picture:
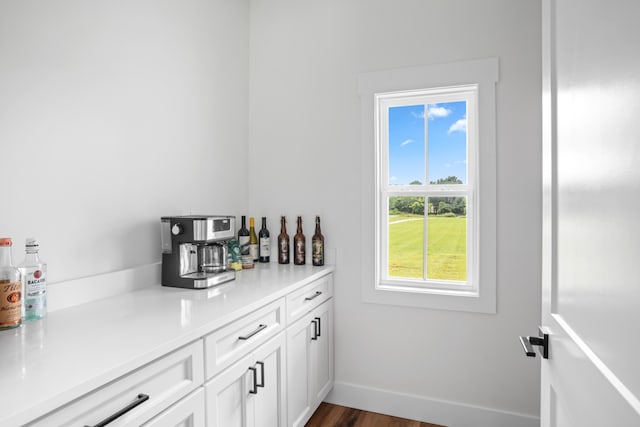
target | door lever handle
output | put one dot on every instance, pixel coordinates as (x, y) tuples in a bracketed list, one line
[(542, 340)]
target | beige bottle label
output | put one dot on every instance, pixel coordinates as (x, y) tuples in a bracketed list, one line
[(10, 302)]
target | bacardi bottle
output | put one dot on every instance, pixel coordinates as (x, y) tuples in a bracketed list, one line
[(34, 280)]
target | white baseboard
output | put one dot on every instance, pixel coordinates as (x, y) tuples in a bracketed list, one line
[(86, 289), (450, 414)]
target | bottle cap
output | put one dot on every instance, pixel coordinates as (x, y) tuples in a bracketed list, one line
[(5, 241), (31, 243)]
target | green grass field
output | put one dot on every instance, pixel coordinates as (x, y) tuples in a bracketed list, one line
[(446, 249)]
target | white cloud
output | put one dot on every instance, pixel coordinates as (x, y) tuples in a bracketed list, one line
[(458, 126), (436, 111), (418, 115), (393, 178), (406, 142)]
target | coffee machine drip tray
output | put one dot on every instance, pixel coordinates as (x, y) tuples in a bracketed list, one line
[(202, 280)]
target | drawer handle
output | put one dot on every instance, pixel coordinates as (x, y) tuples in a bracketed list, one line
[(261, 384), (260, 327), (319, 326), (257, 384), (140, 399), (255, 380), (316, 295)]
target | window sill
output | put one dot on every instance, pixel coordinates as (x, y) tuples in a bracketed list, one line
[(441, 299)]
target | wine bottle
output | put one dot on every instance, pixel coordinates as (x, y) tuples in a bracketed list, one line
[(243, 239), (299, 252), (265, 243), (253, 240), (283, 242), (317, 245)]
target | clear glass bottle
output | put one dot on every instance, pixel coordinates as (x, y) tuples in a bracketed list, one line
[(10, 289), (253, 240), (34, 282)]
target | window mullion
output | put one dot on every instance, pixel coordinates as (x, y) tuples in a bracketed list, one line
[(426, 198)]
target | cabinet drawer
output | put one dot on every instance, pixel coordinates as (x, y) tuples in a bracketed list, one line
[(231, 342), (164, 381), (307, 298)]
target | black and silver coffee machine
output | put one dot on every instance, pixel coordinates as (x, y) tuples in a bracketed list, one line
[(194, 250)]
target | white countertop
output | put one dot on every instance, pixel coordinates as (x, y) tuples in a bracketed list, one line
[(46, 363)]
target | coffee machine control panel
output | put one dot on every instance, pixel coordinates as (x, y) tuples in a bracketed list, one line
[(178, 229)]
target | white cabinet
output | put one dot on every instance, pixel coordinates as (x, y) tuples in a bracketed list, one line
[(268, 362), (251, 392), (138, 396), (189, 412), (310, 371)]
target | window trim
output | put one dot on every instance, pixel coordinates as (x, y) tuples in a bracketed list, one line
[(481, 296)]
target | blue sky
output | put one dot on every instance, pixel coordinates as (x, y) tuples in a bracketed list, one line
[(447, 152)]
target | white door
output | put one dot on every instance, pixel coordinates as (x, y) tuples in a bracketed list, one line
[(321, 353), (226, 396), (270, 399), (591, 221), (298, 371)]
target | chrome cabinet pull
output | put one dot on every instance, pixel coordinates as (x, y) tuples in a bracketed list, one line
[(258, 329), (319, 326), (315, 329), (140, 399), (316, 295)]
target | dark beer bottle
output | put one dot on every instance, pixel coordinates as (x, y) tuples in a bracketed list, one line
[(283, 242), (299, 252), (317, 245)]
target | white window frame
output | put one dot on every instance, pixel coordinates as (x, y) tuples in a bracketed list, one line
[(443, 82), (384, 190)]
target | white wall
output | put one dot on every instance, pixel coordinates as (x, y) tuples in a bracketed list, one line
[(114, 113), (304, 158)]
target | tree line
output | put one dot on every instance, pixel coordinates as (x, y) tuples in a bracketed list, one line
[(437, 205)]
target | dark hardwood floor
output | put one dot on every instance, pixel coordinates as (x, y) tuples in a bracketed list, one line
[(328, 415)]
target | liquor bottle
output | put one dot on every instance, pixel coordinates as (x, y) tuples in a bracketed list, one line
[(10, 289), (299, 252), (253, 241), (317, 245), (265, 242), (34, 282), (243, 239), (283, 242)]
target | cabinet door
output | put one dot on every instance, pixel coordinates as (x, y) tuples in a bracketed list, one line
[(270, 399), (189, 412), (298, 368), (226, 396), (321, 354)]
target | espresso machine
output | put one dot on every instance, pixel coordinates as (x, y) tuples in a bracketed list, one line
[(194, 250)]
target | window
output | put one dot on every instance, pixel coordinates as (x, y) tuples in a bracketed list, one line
[(426, 145), (429, 186)]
